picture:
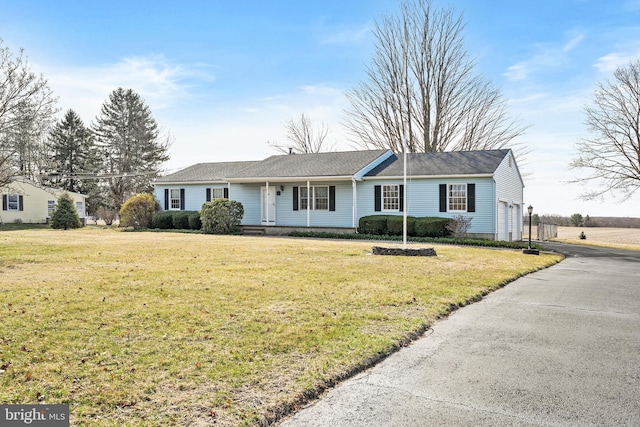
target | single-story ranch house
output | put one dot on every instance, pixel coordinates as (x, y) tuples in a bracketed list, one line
[(334, 190), (31, 203)]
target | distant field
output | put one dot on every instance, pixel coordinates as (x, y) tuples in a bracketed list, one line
[(618, 237)]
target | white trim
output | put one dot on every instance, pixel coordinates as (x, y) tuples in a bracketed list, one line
[(354, 203), (290, 179), (382, 208), (378, 178), (466, 198), (308, 204)]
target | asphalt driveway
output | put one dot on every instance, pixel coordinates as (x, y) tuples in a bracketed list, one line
[(560, 347)]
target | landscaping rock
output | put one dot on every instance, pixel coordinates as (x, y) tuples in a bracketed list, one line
[(380, 250)]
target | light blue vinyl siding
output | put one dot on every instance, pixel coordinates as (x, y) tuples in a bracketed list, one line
[(249, 196), (341, 217), (423, 199), (195, 195)]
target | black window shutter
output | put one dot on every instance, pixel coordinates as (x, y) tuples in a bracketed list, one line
[(332, 197), (166, 199), (443, 197), (377, 198), (225, 192), (471, 197), (295, 198), (208, 195), (182, 199), (401, 197), (20, 203)]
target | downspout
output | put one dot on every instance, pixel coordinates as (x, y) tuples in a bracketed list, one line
[(354, 203)]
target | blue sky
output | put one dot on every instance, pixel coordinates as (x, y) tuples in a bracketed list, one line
[(223, 77)]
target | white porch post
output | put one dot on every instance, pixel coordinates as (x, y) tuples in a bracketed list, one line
[(308, 204), (354, 202), (266, 195)]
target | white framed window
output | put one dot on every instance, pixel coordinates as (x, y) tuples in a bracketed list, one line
[(51, 206), (304, 199), (174, 198), (80, 209), (13, 202), (217, 193), (319, 198), (391, 197), (457, 197)]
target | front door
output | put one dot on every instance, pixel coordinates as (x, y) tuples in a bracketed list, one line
[(268, 205)]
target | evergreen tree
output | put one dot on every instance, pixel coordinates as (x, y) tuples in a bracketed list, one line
[(74, 159), (65, 215), (130, 146)]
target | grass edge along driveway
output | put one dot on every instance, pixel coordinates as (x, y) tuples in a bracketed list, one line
[(155, 329)]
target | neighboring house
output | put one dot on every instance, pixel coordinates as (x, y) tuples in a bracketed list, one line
[(27, 202), (334, 190)]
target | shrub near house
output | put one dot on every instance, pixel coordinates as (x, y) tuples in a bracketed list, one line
[(138, 211), (392, 225), (222, 216)]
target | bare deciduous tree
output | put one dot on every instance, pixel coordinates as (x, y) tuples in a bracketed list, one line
[(27, 106), (422, 79), (612, 153), (303, 137)]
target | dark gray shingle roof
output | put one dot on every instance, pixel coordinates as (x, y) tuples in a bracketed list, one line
[(205, 172), (346, 163), (440, 164)]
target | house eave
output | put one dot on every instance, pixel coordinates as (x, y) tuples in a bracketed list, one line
[(458, 176), (289, 179), (208, 181)]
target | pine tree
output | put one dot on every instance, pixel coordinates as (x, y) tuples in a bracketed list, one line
[(74, 159), (130, 146), (65, 215)]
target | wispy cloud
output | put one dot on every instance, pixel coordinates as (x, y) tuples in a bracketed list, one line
[(345, 36), (610, 62), (546, 56), (159, 81)]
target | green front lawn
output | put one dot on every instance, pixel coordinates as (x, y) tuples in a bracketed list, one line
[(155, 329)]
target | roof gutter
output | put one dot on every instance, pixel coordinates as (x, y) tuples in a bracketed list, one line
[(372, 178), (288, 179)]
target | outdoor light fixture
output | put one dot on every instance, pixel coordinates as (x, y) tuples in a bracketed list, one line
[(282, 188), (530, 251)]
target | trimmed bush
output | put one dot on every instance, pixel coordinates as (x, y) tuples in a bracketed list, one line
[(194, 221), (138, 211), (431, 227), (163, 220), (373, 224), (181, 220), (395, 224), (221, 216)]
